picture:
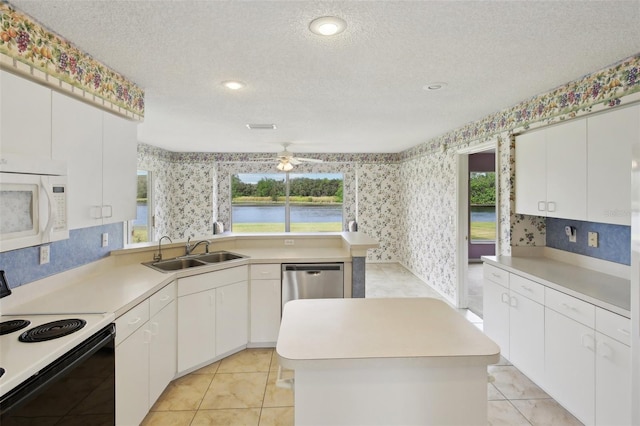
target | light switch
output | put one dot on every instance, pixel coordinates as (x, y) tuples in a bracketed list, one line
[(45, 252), (593, 239), (105, 239)]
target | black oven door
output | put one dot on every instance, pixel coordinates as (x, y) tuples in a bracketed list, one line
[(78, 388)]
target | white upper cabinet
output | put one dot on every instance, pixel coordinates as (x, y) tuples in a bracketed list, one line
[(551, 171), (610, 136), (77, 139), (119, 164), (25, 114), (567, 170), (531, 173), (100, 150)]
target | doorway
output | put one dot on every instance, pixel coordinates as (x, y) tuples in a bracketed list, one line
[(477, 226)]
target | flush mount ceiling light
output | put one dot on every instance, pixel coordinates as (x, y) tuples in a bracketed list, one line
[(327, 25), (251, 126), (233, 84), (438, 85)]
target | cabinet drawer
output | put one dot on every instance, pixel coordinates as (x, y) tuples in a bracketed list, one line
[(571, 307), (162, 298), (265, 272), (613, 325), (527, 288), (131, 321), (496, 275)]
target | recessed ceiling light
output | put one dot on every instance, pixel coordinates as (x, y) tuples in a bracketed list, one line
[(251, 126), (327, 26), (435, 86), (233, 84)]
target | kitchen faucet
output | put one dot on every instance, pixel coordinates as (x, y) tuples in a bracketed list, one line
[(158, 256), (189, 249)]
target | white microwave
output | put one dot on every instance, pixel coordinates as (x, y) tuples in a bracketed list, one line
[(33, 202)]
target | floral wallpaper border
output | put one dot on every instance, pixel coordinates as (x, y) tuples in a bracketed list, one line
[(27, 47)]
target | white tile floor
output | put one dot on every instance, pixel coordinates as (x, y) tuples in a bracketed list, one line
[(240, 389)]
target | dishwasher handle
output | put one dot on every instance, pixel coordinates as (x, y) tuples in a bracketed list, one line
[(313, 268)]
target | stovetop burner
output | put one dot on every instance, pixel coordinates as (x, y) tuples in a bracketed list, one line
[(7, 327), (52, 330)]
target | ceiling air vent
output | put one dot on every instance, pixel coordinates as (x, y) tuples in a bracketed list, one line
[(261, 126)]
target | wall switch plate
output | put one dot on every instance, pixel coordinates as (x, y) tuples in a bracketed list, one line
[(105, 239), (288, 242), (593, 239), (45, 252)]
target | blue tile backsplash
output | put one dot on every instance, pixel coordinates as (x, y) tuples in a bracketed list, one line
[(614, 241), (83, 246)]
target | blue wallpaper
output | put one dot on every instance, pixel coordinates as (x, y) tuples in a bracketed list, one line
[(614, 241), (83, 246)]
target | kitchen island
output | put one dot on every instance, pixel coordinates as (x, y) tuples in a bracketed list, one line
[(411, 361)]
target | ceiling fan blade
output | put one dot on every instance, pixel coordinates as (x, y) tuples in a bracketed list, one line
[(309, 160), (295, 161)]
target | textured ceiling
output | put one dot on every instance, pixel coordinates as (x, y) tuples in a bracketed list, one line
[(359, 91)]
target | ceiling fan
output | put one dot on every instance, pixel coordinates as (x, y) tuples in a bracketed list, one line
[(286, 159)]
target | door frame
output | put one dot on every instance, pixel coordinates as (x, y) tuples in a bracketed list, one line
[(462, 209)]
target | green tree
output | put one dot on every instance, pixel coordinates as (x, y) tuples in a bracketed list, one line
[(482, 188)]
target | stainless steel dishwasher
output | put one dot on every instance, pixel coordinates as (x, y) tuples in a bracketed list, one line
[(312, 281)]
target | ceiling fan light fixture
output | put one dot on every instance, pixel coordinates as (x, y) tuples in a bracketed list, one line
[(327, 25), (284, 166)]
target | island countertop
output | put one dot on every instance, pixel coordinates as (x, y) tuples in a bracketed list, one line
[(319, 333)]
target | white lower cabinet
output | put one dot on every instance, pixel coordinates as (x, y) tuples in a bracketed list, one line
[(232, 317), (132, 365), (526, 335), (495, 312), (577, 352), (163, 345), (570, 364), (145, 355), (204, 301), (265, 304)]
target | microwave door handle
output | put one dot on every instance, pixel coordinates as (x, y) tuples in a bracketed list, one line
[(46, 187)]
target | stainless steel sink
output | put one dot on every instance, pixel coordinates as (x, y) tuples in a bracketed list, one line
[(192, 261), (217, 256), (175, 264)]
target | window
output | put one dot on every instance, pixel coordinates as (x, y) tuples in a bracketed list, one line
[(482, 191), (140, 229), (297, 202)]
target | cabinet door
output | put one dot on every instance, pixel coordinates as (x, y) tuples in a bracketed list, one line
[(132, 378), (162, 351), (526, 336), (25, 114), (495, 310), (570, 364), (531, 173), (613, 379), (265, 311), (610, 136), (196, 329), (119, 160), (77, 139), (232, 317), (567, 170)]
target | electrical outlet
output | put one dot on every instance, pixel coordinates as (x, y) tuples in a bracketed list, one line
[(45, 252), (288, 242), (105, 239), (593, 239)]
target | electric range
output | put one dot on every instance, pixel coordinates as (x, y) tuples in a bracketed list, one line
[(23, 359)]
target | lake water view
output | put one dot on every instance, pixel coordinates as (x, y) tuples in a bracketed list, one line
[(275, 213), (305, 213)]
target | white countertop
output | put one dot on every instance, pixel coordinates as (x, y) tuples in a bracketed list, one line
[(606, 291), (328, 333)]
